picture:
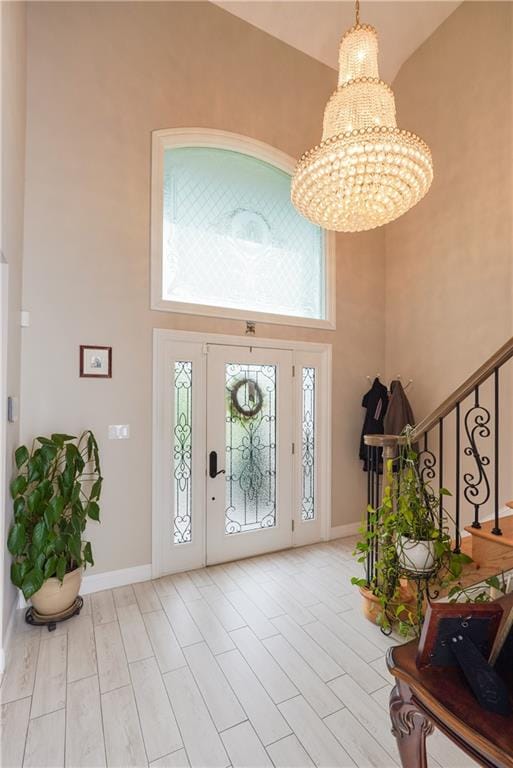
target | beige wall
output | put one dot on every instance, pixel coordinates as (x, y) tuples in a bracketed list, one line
[(101, 77), (11, 245), (449, 262)]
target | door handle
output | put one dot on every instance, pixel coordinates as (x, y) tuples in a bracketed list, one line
[(212, 465)]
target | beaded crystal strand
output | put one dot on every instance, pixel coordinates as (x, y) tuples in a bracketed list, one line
[(366, 171)]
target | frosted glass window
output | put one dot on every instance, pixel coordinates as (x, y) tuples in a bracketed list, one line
[(232, 239)]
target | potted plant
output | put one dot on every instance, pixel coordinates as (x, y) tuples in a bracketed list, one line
[(420, 537), (55, 491), (409, 537)]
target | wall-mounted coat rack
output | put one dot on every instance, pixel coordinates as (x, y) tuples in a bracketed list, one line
[(405, 386), (398, 378)]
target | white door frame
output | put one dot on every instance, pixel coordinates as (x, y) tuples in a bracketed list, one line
[(4, 322), (162, 339)]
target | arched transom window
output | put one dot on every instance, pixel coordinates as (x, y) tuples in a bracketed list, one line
[(226, 240)]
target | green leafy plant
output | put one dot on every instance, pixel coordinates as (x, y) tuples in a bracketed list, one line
[(56, 490), (410, 511), (479, 593)]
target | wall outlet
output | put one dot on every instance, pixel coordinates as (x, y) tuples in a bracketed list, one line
[(119, 431)]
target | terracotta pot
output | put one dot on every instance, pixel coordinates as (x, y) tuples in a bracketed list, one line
[(372, 607), (54, 597)]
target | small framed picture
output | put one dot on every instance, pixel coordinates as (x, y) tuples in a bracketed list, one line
[(95, 362)]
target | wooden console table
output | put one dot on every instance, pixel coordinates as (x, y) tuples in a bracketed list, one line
[(423, 699)]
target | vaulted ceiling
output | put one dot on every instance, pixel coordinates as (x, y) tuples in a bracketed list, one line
[(315, 27)]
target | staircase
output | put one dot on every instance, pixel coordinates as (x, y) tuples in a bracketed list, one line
[(490, 549), (465, 446)]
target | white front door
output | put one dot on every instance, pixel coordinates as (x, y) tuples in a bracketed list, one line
[(249, 447), (240, 449)]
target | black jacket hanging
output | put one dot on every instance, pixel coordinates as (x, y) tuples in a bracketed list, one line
[(376, 402)]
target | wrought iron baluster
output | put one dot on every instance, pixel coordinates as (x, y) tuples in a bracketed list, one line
[(427, 462), (477, 487), (369, 564), (475, 522), (373, 451), (426, 466), (496, 529), (458, 471), (441, 470), (378, 500)]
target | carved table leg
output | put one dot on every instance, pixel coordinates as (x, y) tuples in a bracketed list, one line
[(410, 727)]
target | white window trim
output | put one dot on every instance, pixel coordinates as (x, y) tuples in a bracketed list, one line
[(201, 137)]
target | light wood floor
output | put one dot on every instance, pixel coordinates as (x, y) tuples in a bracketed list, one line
[(264, 662)]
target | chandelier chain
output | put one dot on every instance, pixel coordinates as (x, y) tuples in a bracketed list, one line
[(357, 11)]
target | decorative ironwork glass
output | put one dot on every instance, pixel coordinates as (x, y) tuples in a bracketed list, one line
[(308, 445), (232, 238), (250, 447), (182, 453)]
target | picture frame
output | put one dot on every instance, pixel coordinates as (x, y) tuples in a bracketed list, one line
[(95, 361), (477, 621)]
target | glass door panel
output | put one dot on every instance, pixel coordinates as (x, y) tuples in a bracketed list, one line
[(249, 427), (182, 452), (250, 447)]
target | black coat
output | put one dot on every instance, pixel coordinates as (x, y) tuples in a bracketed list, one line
[(376, 403)]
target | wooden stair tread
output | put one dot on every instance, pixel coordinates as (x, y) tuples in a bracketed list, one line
[(485, 532), (472, 573)]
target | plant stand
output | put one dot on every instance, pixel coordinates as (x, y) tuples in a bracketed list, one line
[(420, 585), (36, 619)]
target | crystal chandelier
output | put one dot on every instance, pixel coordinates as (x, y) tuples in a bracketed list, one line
[(366, 171)]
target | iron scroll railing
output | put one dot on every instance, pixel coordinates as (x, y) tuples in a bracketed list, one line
[(464, 445)]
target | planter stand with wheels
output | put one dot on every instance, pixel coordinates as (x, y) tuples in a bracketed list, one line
[(51, 620)]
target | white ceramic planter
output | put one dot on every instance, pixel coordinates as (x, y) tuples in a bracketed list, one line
[(54, 597), (416, 556)]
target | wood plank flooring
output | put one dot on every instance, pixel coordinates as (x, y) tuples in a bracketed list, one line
[(263, 662)]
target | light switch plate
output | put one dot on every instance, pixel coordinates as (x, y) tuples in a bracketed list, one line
[(12, 409), (119, 431)]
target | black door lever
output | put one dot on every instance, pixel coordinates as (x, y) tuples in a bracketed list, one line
[(212, 465)]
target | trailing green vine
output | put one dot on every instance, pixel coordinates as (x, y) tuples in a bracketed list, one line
[(410, 512)]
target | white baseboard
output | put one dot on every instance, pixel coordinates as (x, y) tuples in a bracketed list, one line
[(348, 529), (96, 582)]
